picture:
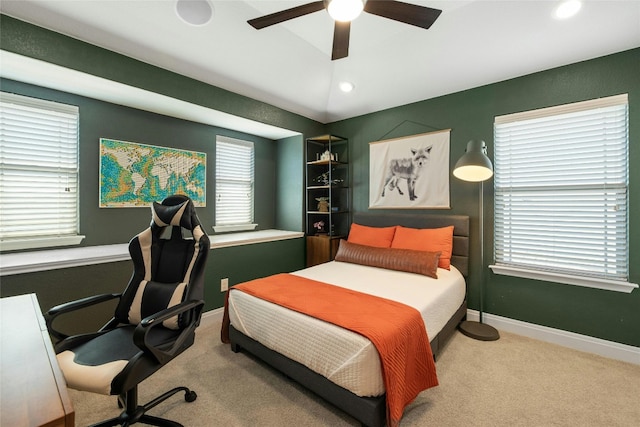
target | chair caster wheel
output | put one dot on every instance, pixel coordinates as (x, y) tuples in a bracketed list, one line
[(190, 396)]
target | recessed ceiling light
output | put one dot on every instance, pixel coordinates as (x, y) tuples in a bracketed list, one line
[(567, 9), (194, 12), (346, 86)]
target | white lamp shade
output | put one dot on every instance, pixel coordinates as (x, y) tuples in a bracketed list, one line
[(474, 165), (345, 10)]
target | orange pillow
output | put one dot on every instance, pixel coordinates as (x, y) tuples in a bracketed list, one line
[(426, 239), (379, 237)]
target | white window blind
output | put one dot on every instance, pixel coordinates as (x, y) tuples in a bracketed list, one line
[(38, 172), (234, 184), (561, 189)]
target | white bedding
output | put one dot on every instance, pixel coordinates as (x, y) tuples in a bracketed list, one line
[(344, 357)]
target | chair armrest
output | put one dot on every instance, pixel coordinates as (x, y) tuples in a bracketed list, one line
[(71, 306), (161, 353)]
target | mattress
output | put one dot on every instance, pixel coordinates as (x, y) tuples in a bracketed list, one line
[(344, 357)]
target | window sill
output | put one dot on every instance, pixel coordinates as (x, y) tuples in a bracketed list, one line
[(609, 285), (252, 237), (16, 245), (234, 228), (30, 262)]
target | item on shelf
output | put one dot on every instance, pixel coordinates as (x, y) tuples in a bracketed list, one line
[(319, 226), (324, 179), (323, 204), (326, 156)]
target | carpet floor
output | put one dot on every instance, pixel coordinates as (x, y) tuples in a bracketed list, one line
[(515, 381)]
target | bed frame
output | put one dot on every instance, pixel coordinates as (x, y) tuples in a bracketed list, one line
[(370, 411)]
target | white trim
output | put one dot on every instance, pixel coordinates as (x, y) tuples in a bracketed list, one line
[(41, 242), (548, 276), (29, 262), (239, 227), (610, 349), (212, 316), (563, 109), (252, 237)]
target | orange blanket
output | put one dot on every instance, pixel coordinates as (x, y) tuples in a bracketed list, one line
[(397, 330)]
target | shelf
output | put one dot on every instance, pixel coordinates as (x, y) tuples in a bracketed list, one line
[(325, 163), (327, 187), (326, 138), (326, 213)]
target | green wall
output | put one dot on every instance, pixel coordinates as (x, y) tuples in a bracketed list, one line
[(237, 263), (35, 42), (290, 170), (55, 287), (105, 120), (604, 314), (108, 226), (242, 263)]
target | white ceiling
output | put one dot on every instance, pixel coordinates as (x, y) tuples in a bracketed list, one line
[(289, 65)]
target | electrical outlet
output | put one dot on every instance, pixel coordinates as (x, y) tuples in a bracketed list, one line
[(224, 284)]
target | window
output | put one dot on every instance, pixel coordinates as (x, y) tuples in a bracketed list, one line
[(38, 173), (561, 190), (234, 184)]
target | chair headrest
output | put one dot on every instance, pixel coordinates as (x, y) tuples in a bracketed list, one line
[(175, 210)]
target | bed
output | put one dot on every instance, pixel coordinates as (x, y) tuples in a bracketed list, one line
[(341, 366)]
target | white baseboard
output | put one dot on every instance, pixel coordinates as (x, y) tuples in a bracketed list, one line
[(610, 349), (212, 316)]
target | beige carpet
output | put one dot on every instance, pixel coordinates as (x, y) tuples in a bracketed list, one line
[(515, 381)]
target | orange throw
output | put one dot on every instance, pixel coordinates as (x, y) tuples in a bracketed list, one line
[(397, 330)]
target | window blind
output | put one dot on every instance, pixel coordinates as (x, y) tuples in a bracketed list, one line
[(234, 181), (561, 189), (38, 168)]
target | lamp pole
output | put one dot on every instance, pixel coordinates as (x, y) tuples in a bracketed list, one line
[(475, 166), (481, 220)]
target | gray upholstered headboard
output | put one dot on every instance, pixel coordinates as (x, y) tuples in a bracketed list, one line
[(460, 256)]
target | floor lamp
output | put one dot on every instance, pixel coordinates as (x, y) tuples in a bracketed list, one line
[(475, 166)]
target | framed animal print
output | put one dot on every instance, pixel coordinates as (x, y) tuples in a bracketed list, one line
[(410, 172)]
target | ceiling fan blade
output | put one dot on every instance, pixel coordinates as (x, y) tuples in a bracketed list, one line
[(411, 14), (285, 15), (341, 40)]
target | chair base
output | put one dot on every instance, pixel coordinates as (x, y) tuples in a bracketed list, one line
[(135, 413)]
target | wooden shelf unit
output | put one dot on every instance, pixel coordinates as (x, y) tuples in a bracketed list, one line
[(327, 179)]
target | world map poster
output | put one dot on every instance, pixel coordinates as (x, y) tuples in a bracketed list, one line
[(135, 175)]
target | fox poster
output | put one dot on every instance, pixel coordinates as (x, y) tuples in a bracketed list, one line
[(410, 172)]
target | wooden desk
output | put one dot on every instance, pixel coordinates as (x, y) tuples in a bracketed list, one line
[(33, 389)]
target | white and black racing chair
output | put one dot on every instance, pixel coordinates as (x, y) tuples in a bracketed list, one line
[(155, 318)]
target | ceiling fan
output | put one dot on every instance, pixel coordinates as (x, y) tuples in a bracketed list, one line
[(411, 14)]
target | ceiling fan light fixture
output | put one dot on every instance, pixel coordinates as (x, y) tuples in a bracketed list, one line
[(344, 10)]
